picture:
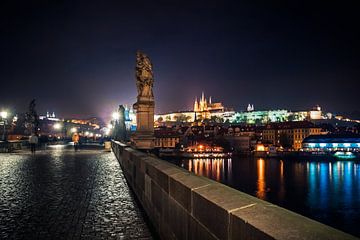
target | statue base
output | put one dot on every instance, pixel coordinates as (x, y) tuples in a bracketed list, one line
[(144, 138), (143, 141)]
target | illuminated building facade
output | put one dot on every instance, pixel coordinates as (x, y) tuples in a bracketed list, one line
[(332, 142), (289, 134), (261, 117), (271, 116), (130, 119), (205, 109), (182, 116), (207, 105), (166, 138)]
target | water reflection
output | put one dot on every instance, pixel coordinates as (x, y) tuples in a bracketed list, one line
[(326, 191), (261, 182), (211, 168)]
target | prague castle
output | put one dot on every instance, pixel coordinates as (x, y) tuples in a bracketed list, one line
[(204, 105), (203, 109), (206, 109)]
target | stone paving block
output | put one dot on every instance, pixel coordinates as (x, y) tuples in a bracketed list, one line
[(67, 195)]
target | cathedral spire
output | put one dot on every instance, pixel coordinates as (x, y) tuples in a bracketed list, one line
[(196, 105)]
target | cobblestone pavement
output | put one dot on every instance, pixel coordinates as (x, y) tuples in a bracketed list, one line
[(66, 195)]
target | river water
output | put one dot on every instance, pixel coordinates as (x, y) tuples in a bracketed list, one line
[(327, 191)]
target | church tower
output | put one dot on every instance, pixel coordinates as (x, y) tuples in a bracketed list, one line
[(196, 105)]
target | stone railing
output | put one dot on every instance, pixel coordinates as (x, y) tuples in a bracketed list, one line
[(182, 205)]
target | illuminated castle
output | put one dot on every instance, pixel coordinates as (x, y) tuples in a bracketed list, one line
[(207, 106)]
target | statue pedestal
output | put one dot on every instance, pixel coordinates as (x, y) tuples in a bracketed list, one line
[(144, 138)]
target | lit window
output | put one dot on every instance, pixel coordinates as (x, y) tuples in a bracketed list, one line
[(335, 145), (312, 145), (322, 144), (347, 144)]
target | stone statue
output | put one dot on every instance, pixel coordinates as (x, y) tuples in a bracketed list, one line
[(144, 76), (122, 128), (143, 138)]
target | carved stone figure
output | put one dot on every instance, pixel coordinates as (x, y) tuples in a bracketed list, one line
[(144, 138), (144, 76), (121, 123)]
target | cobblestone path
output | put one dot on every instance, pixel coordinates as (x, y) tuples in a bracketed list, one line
[(66, 195)]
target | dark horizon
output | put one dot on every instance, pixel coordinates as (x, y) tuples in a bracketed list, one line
[(78, 59)]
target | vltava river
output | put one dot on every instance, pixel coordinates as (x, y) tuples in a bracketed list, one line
[(325, 191)]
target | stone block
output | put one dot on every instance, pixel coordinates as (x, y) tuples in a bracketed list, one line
[(268, 221), (157, 198), (197, 231), (147, 187), (177, 218), (140, 180), (159, 171), (182, 184), (212, 205)]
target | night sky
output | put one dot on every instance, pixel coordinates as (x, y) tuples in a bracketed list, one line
[(77, 58)]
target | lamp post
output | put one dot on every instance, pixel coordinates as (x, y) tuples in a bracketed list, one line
[(4, 116)]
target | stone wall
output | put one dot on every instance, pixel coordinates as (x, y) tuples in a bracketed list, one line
[(182, 205)]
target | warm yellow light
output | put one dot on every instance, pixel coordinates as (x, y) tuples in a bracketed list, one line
[(260, 148), (73, 130), (3, 114), (57, 126)]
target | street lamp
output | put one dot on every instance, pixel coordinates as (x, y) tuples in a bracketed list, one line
[(4, 115)]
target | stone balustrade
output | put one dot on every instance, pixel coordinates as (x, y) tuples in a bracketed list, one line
[(182, 205)]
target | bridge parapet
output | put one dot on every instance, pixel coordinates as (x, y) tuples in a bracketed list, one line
[(182, 205)]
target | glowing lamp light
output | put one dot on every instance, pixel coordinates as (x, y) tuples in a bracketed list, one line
[(347, 144), (115, 116), (73, 130), (3, 114), (322, 145), (201, 147), (57, 126), (260, 148), (87, 133)]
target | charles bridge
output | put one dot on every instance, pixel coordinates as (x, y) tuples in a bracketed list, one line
[(131, 194), (60, 194)]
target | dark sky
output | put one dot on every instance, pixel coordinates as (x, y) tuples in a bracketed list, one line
[(77, 58)]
